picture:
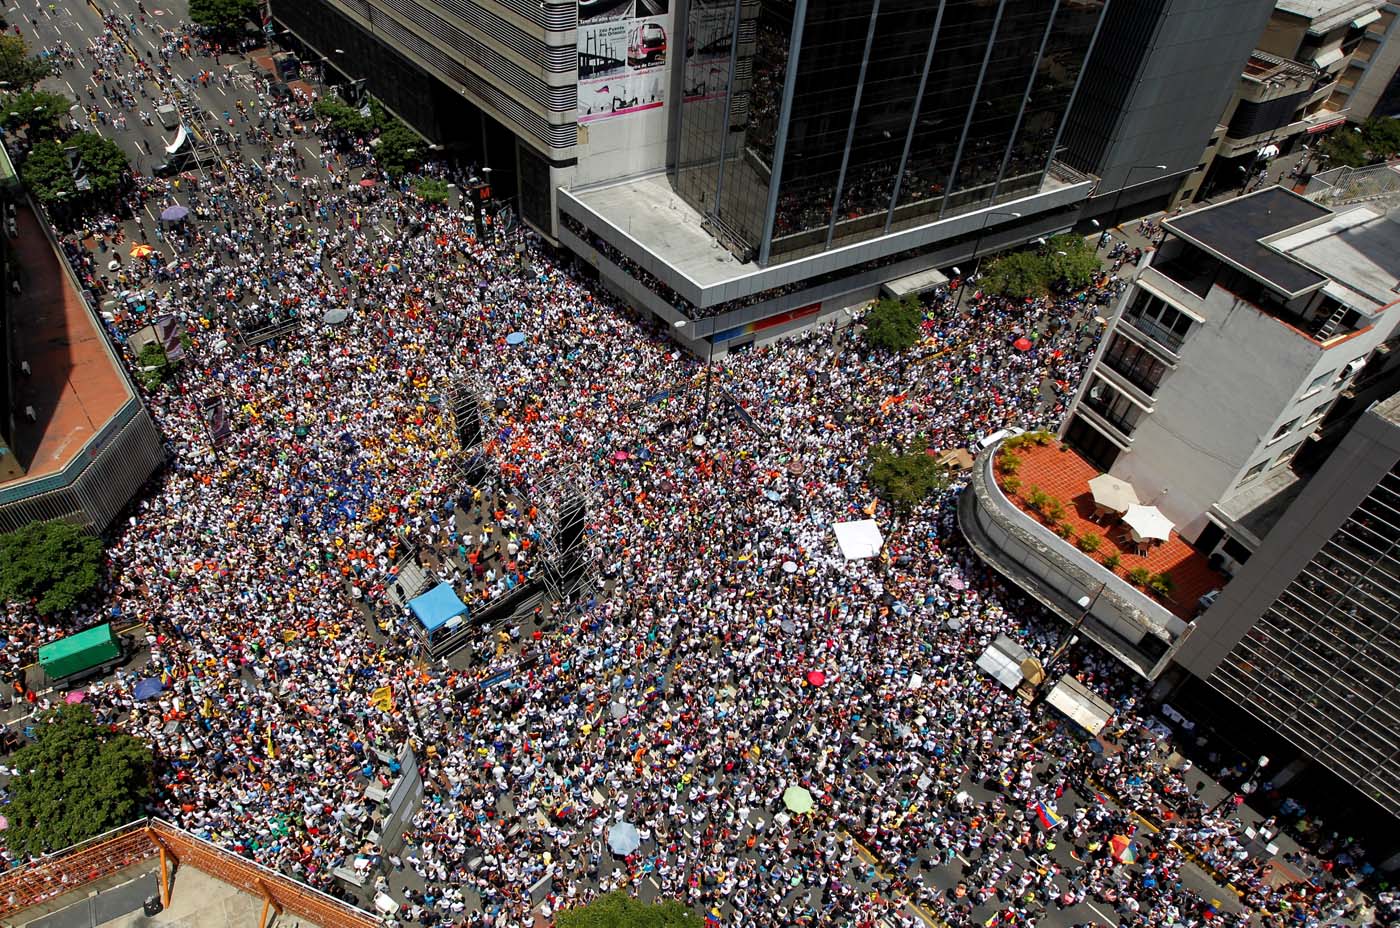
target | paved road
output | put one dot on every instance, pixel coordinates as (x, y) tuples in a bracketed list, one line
[(77, 23)]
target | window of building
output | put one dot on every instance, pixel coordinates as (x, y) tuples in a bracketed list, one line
[(1113, 407), (1134, 363), (1154, 317), (1317, 413), (1320, 381), (1284, 429), (1254, 471)]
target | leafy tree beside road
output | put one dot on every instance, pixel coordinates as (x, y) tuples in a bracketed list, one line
[(43, 113), (619, 910), (894, 324), (48, 175), (1065, 262), (19, 70), (55, 563), (78, 779), (906, 479), (1375, 140), (222, 15)]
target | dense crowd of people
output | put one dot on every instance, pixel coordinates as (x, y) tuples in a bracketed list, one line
[(724, 653)]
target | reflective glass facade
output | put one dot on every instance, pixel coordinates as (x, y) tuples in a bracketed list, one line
[(902, 111)]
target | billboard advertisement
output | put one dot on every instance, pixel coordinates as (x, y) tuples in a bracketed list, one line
[(622, 50)]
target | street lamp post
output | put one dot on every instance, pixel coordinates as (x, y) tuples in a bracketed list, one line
[(680, 324), (976, 256)]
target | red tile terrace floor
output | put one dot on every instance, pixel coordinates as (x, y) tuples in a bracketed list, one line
[(1064, 475)]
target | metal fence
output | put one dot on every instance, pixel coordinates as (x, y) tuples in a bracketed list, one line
[(1345, 185)]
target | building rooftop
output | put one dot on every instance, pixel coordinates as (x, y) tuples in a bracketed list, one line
[(76, 386), (1062, 473), (1324, 15), (1359, 252), (1234, 231), (1388, 409)]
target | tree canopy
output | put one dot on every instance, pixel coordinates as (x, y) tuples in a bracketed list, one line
[(906, 479), (43, 112), (345, 117), (77, 779), (47, 174), (18, 68), (431, 190), (54, 563), (222, 15), (894, 324), (398, 148), (1375, 140), (1065, 261), (619, 910)]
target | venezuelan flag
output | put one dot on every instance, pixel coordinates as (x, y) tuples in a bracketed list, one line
[(1047, 817)]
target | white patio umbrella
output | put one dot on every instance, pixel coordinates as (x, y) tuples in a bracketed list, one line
[(1112, 493), (1147, 522)]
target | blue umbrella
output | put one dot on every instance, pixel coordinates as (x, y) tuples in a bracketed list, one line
[(623, 838), (515, 338), (174, 213), (147, 688)]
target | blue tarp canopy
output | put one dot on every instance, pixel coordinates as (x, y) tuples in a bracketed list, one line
[(437, 607)]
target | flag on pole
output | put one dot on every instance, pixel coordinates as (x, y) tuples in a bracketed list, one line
[(382, 699)]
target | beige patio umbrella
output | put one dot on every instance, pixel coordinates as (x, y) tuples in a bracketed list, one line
[(1112, 493), (1147, 522)]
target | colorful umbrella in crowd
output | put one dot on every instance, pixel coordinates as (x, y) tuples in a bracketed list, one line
[(797, 800), (1023, 344), (367, 182), (147, 688), (76, 696), (1049, 819), (816, 678), (623, 838), (515, 338), (141, 250), (174, 213), (1123, 849)]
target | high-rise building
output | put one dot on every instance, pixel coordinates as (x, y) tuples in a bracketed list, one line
[(1306, 637), (1162, 72), (1294, 87)]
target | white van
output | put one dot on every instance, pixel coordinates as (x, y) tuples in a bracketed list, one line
[(987, 441)]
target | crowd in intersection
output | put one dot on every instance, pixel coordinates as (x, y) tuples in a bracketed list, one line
[(250, 564)]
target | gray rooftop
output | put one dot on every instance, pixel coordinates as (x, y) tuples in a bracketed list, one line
[(1235, 231), (1358, 250), (1327, 14), (1261, 503), (1389, 409)]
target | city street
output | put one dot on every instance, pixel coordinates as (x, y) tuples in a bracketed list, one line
[(726, 656)]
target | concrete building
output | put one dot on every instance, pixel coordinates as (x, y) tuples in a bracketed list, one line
[(1286, 94), (1369, 86), (83, 442), (1305, 638), (1227, 352), (1162, 72), (753, 168), (1222, 359)]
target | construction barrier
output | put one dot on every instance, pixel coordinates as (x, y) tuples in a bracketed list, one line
[(68, 870)]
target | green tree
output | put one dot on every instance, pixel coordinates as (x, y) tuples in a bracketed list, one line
[(1345, 148), (1018, 274), (398, 148), (55, 563), (343, 116), (44, 113), (619, 910), (431, 190), (1068, 259), (894, 324), (152, 365), (906, 479), (19, 69), (222, 15), (1382, 136), (47, 174), (78, 779)]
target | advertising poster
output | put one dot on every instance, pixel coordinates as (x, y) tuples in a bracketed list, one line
[(622, 49), (707, 52)]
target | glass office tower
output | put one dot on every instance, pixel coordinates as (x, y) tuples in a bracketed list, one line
[(807, 124)]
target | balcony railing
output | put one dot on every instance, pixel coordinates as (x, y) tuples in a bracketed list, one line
[(1156, 331)]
